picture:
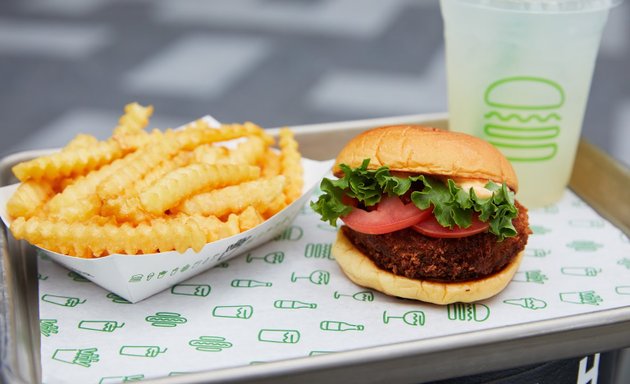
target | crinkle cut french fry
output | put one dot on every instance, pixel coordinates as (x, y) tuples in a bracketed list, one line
[(234, 198), (250, 151), (29, 197), (290, 160), (80, 141), (82, 188), (271, 163), (94, 240), (192, 137), (275, 206), (215, 229), (249, 219), (135, 167), (210, 154), (134, 120), (71, 162), (184, 182)]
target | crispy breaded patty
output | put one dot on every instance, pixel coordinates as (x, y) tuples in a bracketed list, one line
[(416, 256)]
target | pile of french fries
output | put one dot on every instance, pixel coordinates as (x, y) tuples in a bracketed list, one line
[(142, 192)]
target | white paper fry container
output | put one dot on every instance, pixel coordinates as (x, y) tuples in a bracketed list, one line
[(136, 277)]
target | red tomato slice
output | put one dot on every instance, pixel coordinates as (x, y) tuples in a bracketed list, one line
[(431, 227), (390, 215)]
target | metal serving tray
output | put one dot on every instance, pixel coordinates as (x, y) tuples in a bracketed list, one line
[(598, 179)]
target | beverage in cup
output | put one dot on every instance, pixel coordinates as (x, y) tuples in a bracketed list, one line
[(519, 74)]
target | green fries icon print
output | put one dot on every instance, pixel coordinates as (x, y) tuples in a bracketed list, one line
[(48, 326), (83, 357), (210, 343), (318, 277)]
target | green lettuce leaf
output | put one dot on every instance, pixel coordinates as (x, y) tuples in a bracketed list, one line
[(452, 205)]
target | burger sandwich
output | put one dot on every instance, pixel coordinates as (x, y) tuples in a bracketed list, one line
[(427, 214)]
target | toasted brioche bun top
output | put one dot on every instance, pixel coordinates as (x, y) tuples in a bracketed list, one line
[(430, 151)]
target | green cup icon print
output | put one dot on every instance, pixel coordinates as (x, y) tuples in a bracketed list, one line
[(100, 325), (281, 336), (625, 262), (534, 276), (581, 271), (141, 350), (358, 296), (201, 290), (581, 297), (48, 326), (166, 319), (121, 379), (42, 277), (527, 303), (413, 318), (340, 326), (84, 357), (468, 312), (523, 117), (318, 277), (210, 344), (270, 258), (622, 290), (233, 311), (537, 252), (63, 301), (293, 304)]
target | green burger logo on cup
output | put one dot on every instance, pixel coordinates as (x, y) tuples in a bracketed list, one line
[(524, 117)]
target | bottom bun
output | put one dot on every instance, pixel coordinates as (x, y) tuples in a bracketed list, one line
[(362, 271)]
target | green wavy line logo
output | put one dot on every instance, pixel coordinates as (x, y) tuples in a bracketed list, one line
[(514, 116)]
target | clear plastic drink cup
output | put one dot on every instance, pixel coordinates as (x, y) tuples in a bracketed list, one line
[(519, 74)]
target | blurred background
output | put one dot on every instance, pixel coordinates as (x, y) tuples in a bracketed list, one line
[(69, 66)]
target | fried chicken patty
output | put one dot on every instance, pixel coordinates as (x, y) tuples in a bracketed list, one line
[(416, 256)]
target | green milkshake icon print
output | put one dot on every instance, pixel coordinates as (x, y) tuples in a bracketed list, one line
[(523, 120)]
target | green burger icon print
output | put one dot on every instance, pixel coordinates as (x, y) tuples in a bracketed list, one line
[(524, 117)]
